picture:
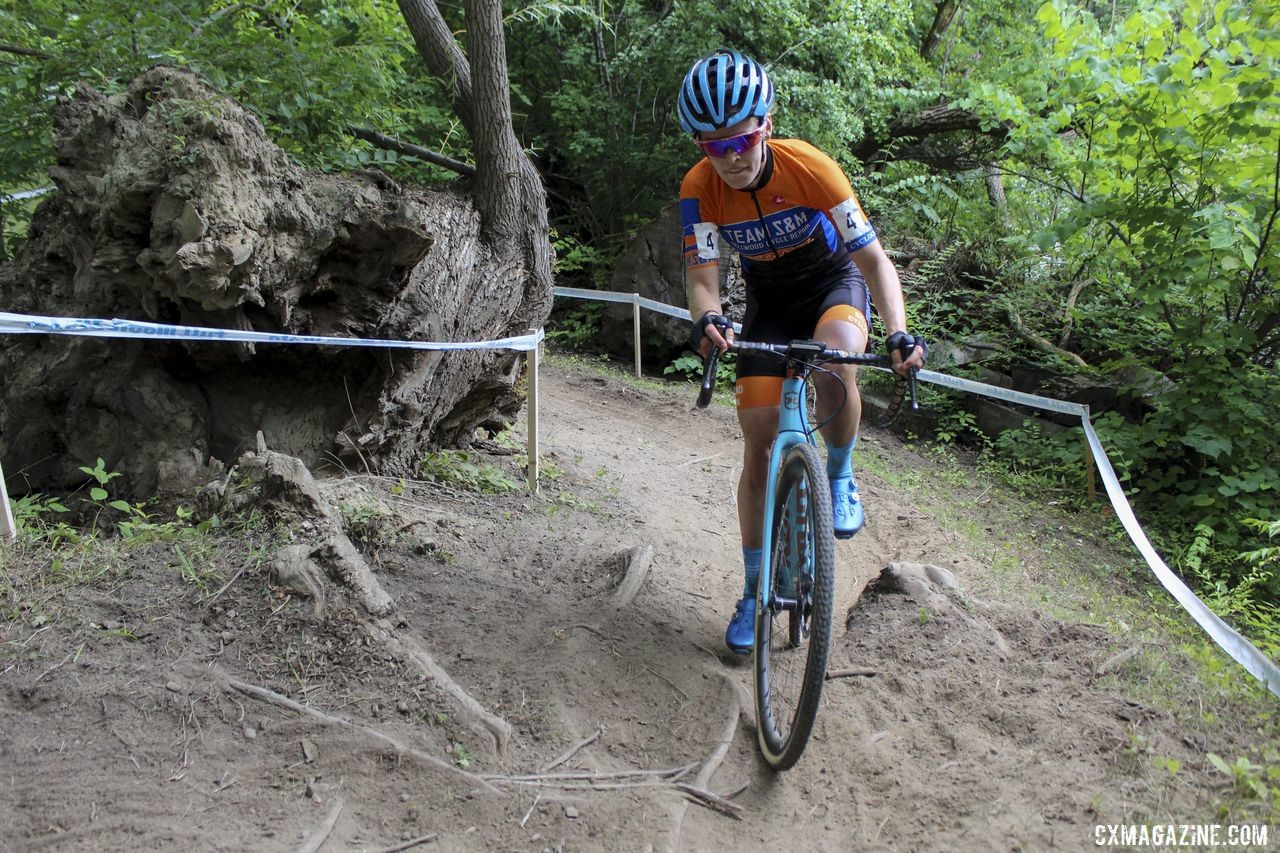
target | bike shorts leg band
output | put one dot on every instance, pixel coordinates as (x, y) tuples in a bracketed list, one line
[(847, 314), (755, 392)]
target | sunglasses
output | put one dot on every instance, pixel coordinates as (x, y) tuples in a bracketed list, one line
[(736, 144)]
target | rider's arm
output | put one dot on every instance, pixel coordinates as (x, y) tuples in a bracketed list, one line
[(701, 238), (886, 290), (702, 289)]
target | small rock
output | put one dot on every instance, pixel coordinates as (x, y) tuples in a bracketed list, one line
[(173, 687), (404, 796), (571, 812), (309, 751), (227, 637), (402, 706), (111, 625), (231, 614), (250, 732)]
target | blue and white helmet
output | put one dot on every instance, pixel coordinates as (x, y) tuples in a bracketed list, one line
[(721, 89)]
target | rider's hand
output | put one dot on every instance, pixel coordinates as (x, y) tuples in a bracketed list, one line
[(710, 330), (907, 351)]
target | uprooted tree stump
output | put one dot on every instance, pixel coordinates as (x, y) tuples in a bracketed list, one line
[(173, 206)]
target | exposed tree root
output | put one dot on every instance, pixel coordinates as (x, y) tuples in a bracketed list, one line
[(638, 561), (411, 652), (700, 788), (271, 697)]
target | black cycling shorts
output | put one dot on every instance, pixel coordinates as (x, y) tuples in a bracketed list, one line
[(781, 314)]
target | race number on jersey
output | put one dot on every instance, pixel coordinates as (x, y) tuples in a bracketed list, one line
[(706, 233), (855, 229)]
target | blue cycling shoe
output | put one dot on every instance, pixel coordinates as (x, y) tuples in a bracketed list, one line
[(846, 507), (741, 635)]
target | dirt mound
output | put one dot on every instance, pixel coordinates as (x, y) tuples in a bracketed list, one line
[(532, 690)]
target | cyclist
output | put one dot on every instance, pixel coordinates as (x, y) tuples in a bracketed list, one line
[(811, 262)]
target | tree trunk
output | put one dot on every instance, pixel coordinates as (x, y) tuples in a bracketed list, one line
[(995, 192), (509, 191), (942, 18)]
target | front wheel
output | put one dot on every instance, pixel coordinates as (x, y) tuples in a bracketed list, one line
[(793, 616)]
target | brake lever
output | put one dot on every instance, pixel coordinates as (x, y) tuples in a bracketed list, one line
[(709, 368)]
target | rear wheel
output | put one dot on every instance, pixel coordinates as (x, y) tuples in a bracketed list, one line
[(793, 616)]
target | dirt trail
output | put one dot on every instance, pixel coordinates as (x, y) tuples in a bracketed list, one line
[(986, 724)]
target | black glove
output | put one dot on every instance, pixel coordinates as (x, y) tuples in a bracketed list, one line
[(905, 344), (699, 329)]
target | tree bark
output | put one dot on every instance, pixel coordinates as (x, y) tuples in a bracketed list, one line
[(443, 56), (995, 192), (942, 18), (929, 122)]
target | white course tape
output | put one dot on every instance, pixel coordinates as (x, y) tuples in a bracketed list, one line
[(27, 194), (1231, 642), (31, 324), (1244, 652), (630, 299), (1008, 395)]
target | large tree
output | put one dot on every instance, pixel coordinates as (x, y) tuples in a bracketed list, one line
[(509, 191)]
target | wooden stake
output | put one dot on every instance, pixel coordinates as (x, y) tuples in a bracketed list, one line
[(7, 527), (532, 358), (1090, 465), (635, 328)]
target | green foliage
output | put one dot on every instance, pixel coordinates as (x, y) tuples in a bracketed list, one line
[(689, 366), (1255, 788), (1268, 555), (578, 328), (308, 70), (596, 93), (462, 469), (462, 757), (577, 260)]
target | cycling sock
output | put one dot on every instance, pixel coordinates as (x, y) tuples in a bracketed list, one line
[(751, 559), (840, 459)]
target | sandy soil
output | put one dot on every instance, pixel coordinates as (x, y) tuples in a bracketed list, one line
[(521, 697)]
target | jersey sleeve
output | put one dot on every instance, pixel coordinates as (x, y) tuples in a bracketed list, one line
[(834, 195), (701, 234)]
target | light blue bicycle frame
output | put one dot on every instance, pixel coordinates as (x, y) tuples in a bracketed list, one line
[(793, 429)]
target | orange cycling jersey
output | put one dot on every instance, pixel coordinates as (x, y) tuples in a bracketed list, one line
[(803, 201)]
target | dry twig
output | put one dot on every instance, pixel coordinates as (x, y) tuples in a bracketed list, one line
[(573, 750), (712, 800), (320, 835), (422, 839)]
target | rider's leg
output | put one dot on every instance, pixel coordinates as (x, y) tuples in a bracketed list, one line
[(841, 327), (758, 417), (838, 331), (759, 426)]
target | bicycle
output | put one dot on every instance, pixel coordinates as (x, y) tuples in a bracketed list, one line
[(797, 570)]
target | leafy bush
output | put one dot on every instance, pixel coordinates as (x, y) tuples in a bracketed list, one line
[(462, 469), (578, 328), (689, 366)]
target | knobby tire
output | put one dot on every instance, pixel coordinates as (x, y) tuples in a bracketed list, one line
[(803, 547)]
